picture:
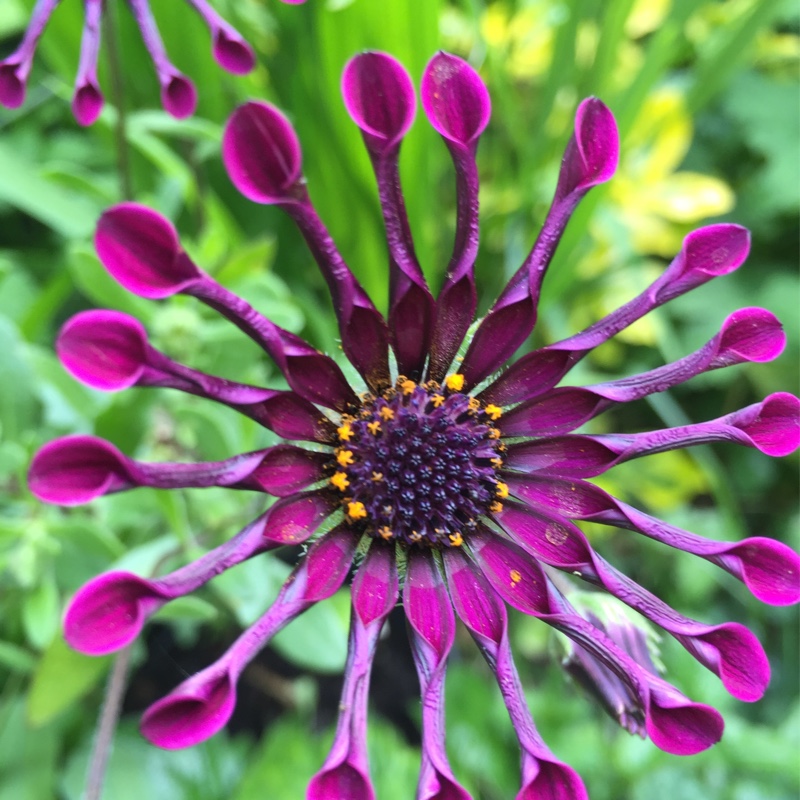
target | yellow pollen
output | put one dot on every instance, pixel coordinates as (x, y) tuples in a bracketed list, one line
[(377, 476), (501, 490), (493, 411), (356, 510), (345, 432), (385, 532), (494, 433), (474, 404), (374, 427), (515, 577), (344, 458), (437, 400), (415, 536), (387, 413), (407, 386), (497, 462), (456, 539), (496, 507), (454, 382), (339, 480)]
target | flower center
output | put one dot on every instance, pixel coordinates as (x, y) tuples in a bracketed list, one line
[(418, 464)]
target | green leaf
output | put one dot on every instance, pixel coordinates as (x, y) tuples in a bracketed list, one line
[(40, 613), (61, 679)]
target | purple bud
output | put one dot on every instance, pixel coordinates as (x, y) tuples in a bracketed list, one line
[(75, 470), (455, 100), (379, 97), (106, 350), (141, 250), (592, 154), (261, 153), (108, 613)]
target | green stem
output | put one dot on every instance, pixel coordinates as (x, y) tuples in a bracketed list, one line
[(118, 95)]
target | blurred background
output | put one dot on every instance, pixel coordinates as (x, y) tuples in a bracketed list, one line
[(706, 95)]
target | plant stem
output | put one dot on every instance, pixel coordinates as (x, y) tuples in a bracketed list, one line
[(118, 95)]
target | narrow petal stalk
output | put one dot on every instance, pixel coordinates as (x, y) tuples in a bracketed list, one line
[(706, 253), (87, 100), (432, 629), (202, 705), (14, 69), (458, 106), (178, 95), (263, 158), (379, 97), (345, 772), (482, 611), (590, 159)]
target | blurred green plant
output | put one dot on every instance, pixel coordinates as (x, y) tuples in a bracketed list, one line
[(705, 93)]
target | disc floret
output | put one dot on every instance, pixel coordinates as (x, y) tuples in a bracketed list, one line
[(418, 463)]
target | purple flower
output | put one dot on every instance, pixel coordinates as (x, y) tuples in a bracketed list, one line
[(450, 484), (178, 94)]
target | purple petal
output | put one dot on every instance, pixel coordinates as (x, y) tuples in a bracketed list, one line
[(374, 592), (591, 158), (292, 520), (76, 469), (376, 585), (141, 250), (87, 101), (592, 154), (706, 253), (379, 97), (261, 153), (15, 68), (769, 569), (108, 613), (674, 723), (231, 51), (455, 99), (178, 93), (749, 334), (427, 606), (483, 612), (201, 705), (106, 350)]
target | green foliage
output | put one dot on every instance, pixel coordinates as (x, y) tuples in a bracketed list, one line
[(731, 70)]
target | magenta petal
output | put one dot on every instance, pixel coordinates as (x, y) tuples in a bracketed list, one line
[(108, 613), (106, 350), (750, 334), (87, 103), (293, 519), (775, 427), (376, 584), (141, 250), (196, 711), (76, 469), (770, 569), (593, 152), (455, 99), (679, 726), (340, 781), (178, 95), (379, 97), (261, 153), (233, 53), (12, 84)]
